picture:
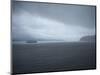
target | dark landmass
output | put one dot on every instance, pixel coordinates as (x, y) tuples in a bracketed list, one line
[(24, 41), (31, 41), (88, 38)]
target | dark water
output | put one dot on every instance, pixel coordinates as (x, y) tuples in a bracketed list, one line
[(49, 57)]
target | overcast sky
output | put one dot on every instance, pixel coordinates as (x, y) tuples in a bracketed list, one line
[(42, 21)]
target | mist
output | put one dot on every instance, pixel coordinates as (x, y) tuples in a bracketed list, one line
[(28, 22)]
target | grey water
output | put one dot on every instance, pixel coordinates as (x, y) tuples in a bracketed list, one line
[(51, 57)]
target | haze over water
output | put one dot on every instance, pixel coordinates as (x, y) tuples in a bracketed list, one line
[(44, 22)]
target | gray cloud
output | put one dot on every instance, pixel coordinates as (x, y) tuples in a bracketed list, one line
[(40, 21)]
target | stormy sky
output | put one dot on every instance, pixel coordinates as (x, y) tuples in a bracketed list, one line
[(51, 22)]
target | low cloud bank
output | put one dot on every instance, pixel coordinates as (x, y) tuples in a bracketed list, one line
[(27, 26)]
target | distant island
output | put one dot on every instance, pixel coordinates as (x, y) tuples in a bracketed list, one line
[(24, 41), (90, 38), (31, 41)]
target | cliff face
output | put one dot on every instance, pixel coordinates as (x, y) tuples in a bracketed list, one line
[(88, 38)]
